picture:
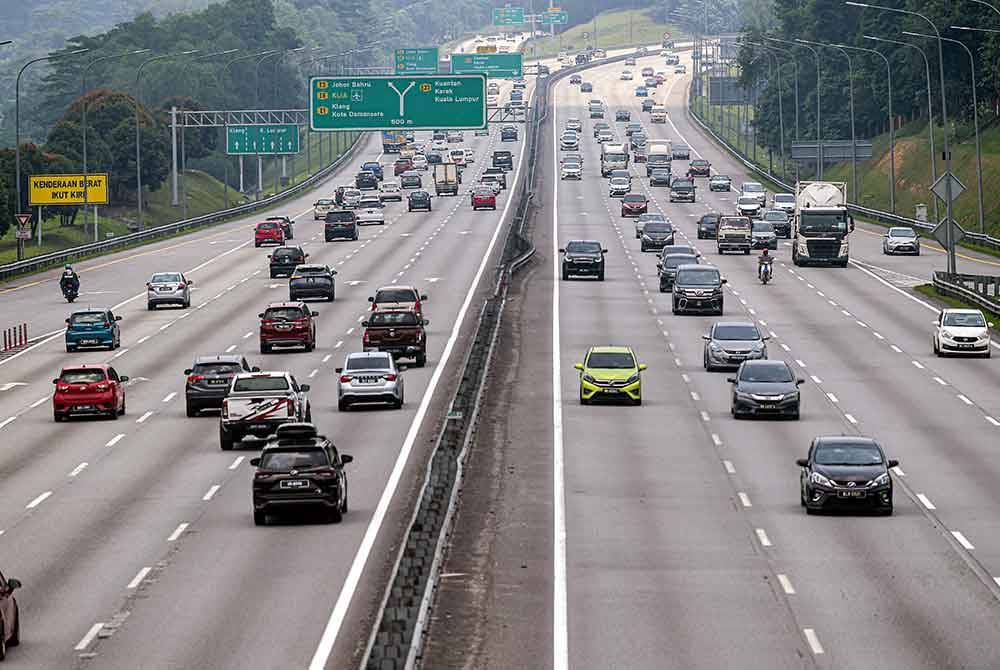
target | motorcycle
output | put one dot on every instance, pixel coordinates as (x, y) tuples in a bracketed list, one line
[(70, 290), (764, 273)]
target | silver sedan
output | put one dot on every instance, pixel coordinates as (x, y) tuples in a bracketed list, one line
[(729, 343), (168, 288), (370, 377)]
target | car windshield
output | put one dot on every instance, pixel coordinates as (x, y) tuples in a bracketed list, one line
[(661, 174), (571, 165), (339, 217), (748, 201), (369, 363), (734, 224), (736, 331), (766, 373), (672, 249), (619, 181), (166, 278), (283, 314), (710, 219), (718, 178), (313, 281), (87, 318), (351, 193), (581, 247), (775, 216), (607, 360), (81, 376), (634, 197), (964, 319), (901, 232), (682, 183), (396, 295), (484, 192), (260, 384), (762, 227), (784, 198), (699, 277), (699, 163), (847, 454), (393, 319), (752, 187), (300, 459), (286, 253), (658, 227), (676, 260), (646, 218), (216, 368), (419, 195), (324, 202)]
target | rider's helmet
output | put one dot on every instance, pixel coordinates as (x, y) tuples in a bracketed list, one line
[(765, 252), (68, 267)]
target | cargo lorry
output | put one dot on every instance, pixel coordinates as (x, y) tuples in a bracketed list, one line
[(393, 141), (821, 224), (659, 154), (446, 179)]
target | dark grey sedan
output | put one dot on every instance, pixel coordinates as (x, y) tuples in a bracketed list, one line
[(846, 471), (729, 343), (208, 380), (765, 388)]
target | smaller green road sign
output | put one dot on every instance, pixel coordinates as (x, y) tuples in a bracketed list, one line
[(553, 17), (277, 139), (492, 65), (417, 61), (411, 102), (508, 16)]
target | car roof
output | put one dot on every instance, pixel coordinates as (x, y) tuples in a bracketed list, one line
[(610, 349), (734, 323), (87, 366), (845, 439), (395, 286), (310, 267), (90, 310), (956, 310), (368, 354), (286, 303)]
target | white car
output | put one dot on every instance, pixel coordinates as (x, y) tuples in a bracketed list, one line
[(419, 162), (470, 156), (626, 75), (962, 332), (630, 61), (605, 135), (618, 187), (370, 211), (754, 189), (369, 377), (574, 124), (351, 198), (491, 181), (455, 136), (168, 288), (785, 202), (571, 171), (747, 205), (321, 207), (439, 145), (390, 190)]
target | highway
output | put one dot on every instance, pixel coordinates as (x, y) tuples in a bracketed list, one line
[(134, 538), (668, 535)]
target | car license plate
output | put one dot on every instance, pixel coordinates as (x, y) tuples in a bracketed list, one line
[(367, 380), (283, 327), (218, 382), (295, 484), (966, 346), (850, 494), (88, 341), (85, 408)]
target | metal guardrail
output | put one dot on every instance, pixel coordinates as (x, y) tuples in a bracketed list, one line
[(981, 290), (43, 261), (878, 215)]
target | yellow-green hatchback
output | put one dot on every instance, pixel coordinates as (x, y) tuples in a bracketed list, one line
[(610, 374)]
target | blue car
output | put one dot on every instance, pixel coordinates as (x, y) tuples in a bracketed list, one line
[(376, 168), (94, 327), (641, 92)]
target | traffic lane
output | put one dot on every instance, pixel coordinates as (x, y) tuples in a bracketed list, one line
[(606, 573)]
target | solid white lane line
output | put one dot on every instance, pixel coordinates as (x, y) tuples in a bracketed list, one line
[(744, 499), (177, 532), (236, 463), (832, 397), (7, 421), (142, 419), (141, 575), (786, 585), (813, 641), (762, 537), (78, 469), (115, 440), (964, 399), (39, 402), (918, 365), (926, 501), (816, 380), (89, 637), (170, 396), (230, 348), (962, 540), (211, 492), (850, 418), (38, 501)]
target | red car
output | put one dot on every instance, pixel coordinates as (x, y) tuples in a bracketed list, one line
[(401, 165), (699, 167), (269, 232), (634, 204), (287, 324), (89, 390), (484, 197)]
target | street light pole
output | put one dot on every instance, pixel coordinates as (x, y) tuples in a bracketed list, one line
[(225, 119), (17, 131), (795, 64), (138, 105), (949, 205), (930, 109), (819, 140), (781, 114)]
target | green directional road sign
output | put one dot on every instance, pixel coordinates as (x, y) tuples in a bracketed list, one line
[(262, 139), (552, 17), (417, 61), (413, 102), (492, 65), (508, 16)]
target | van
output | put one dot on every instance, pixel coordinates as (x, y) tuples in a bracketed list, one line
[(658, 114)]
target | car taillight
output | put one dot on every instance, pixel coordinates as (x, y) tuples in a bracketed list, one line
[(195, 378), (344, 379), (181, 285), (365, 338), (62, 389), (225, 409), (389, 378), (101, 387), (416, 306), (291, 409), (107, 324)]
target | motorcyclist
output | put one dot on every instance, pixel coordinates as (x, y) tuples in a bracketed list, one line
[(69, 281), (763, 260)]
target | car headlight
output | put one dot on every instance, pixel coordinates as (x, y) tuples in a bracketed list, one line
[(715, 348), (633, 379), (947, 335), (881, 480), (647, 237), (588, 378), (817, 478)]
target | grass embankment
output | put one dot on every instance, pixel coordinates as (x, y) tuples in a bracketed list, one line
[(929, 291), (613, 32)]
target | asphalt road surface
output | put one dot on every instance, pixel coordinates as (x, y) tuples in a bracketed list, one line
[(669, 535), (134, 537)]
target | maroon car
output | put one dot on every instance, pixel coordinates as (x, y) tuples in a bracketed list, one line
[(634, 204), (699, 168), (10, 617), (88, 390), (287, 324)]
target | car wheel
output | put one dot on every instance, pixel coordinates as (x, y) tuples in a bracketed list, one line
[(583, 401), (15, 635), (746, 252), (57, 417), (708, 366), (149, 306), (123, 407), (264, 348), (114, 414), (3, 642), (191, 409), (70, 349), (343, 405), (796, 414), (810, 511), (334, 516), (565, 274), (802, 497), (886, 511), (600, 276), (259, 518), (226, 440), (937, 349), (637, 401), (421, 360)]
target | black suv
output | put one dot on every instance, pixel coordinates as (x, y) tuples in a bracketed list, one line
[(208, 380), (583, 257), (656, 235), (299, 468), (682, 189), (418, 200), (698, 288), (508, 134), (284, 261), (503, 160), (708, 226), (366, 180), (312, 281), (340, 224)]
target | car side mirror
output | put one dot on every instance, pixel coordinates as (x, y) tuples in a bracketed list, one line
[(13, 583), (255, 369), (371, 299), (346, 458), (304, 387), (314, 313), (706, 337), (731, 380), (118, 318), (724, 281), (190, 282), (255, 462), (604, 251), (123, 379), (305, 255), (562, 251), (893, 463), (269, 256), (852, 224), (800, 382), (338, 370), (642, 366), (67, 320), (766, 338), (578, 366), (55, 381), (188, 371), (989, 324), (260, 315), (364, 324), (802, 462), (426, 322)]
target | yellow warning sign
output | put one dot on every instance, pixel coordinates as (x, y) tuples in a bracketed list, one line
[(67, 189)]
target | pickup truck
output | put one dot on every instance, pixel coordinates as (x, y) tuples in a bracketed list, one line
[(734, 234), (401, 334), (258, 402)]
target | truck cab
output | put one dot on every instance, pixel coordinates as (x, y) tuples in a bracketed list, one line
[(821, 224), (734, 233)]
